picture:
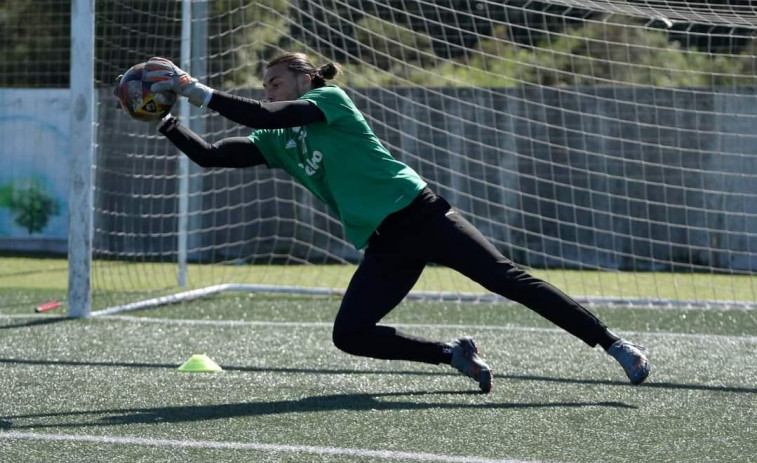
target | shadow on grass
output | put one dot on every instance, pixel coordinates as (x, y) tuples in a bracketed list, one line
[(649, 384), (35, 322), (350, 402), (345, 371)]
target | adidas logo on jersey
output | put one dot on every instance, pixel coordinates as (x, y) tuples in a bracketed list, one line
[(290, 144)]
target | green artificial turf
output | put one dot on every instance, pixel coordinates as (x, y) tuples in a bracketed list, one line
[(108, 388)]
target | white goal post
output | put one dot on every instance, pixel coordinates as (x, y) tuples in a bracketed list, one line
[(608, 146), (82, 126)]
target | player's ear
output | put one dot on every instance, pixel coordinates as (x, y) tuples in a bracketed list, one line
[(307, 79)]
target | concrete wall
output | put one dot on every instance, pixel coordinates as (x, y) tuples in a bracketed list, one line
[(620, 178), (34, 158)]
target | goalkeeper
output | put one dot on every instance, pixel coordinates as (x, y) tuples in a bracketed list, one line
[(316, 134)]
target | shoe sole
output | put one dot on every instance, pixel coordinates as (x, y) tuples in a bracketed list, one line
[(643, 376), (484, 376), (485, 381)]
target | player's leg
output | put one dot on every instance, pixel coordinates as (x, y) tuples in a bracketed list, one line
[(382, 280), (460, 246), (457, 244)]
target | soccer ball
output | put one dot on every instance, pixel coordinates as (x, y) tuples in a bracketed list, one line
[(138, 100)]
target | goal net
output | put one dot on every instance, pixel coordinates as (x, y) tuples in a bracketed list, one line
[(607, 146)]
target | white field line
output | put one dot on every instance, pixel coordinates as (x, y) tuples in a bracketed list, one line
[(243, 323), (527, 329), (275, 448)]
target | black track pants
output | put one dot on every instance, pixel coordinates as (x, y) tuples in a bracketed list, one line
[(430, 231)]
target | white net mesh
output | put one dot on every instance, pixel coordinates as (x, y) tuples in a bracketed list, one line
[(609, 146)]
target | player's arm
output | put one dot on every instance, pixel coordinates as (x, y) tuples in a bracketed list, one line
[(264, 115), (229, 152), (166, 76)]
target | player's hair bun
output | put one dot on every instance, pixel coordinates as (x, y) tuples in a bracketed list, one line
[(329, 71)]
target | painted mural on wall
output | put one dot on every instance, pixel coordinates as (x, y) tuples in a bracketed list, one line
[(34, 163)]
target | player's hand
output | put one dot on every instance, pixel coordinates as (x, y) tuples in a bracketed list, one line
[(166, 76)]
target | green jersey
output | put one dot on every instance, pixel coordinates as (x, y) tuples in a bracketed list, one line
[(342, 162)]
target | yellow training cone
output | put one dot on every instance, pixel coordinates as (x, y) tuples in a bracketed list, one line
[(200, 364)]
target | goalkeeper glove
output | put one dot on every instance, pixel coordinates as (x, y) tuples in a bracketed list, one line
[(168, 77)]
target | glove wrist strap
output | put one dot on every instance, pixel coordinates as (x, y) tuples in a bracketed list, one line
[(208, 96)]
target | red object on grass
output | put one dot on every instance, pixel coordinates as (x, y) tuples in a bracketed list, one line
[(47, 306)]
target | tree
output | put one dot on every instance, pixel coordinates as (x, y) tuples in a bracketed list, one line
[(35, 45), (243, 36), (32, 207)]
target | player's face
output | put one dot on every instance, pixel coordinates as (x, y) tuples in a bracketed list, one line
[(281, 84)]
